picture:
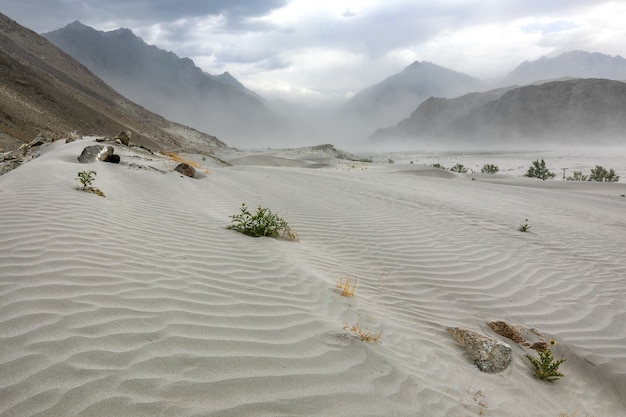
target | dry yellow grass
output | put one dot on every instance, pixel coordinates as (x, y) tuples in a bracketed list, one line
[(347, 286), (363, 334), (177, 158)]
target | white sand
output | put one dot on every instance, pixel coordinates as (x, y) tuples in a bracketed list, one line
[(143, 304)]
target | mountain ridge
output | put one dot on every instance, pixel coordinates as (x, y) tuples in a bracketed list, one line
[(47, 92)]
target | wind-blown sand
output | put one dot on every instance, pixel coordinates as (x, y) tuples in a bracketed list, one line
[(143, 304)]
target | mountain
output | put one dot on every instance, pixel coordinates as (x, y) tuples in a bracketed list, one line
[(164, 83), (45, 91), (575, 111), (390, 100), (575, 64)]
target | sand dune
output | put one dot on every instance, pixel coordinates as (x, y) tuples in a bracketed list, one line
[(142, 303)]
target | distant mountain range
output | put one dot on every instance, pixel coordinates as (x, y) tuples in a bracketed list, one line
[(164, 83), (46, 91), (575, 64), (386, 102), (574, 111)]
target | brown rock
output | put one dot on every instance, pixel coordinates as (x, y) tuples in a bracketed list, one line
[(123, 137), (185, 169), (489, 355)]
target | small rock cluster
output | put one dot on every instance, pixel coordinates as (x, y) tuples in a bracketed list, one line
[(491, 355)]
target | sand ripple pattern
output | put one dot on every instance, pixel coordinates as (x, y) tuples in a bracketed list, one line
[(143, 304)]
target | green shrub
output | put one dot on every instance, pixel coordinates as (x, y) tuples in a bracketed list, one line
[(489, 169), (86, 178), (539, 170), (438, 165), (600, 174), (578, 176), (458, 168), (546, 367), (261, 223)]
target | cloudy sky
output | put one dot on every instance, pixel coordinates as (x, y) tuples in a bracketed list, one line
[(327, 50)]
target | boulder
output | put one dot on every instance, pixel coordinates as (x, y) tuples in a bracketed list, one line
[(489, 355), (123, 137), (114, 159), (185, 169), (95, 153)]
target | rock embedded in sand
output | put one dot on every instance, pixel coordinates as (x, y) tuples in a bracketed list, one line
[(489, 355), (185, 169), (96, 153), (522, 335), (123, 137)]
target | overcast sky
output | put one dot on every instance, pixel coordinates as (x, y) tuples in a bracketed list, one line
[(330, 49)]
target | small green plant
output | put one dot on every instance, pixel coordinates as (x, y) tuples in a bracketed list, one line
[(489, 169), (261, 223), (546, 367), (438, 165), (86, 178), (458, 168), (539, 170), (524, 227)]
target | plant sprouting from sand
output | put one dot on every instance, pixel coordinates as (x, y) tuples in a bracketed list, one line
[(347, 286), (489, 169), (438, 165), (364, 334), (539, 170), (578, 176), (546, 367), (524, 227), (601, 174), (459, 168), (86, 178), (261, 223)]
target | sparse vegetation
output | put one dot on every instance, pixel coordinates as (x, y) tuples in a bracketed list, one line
[(539, 170), (363, 334), (546, 367), (347, 286), (600, 174), (489, 169), (578, 176), (524, 227), (438, 165), (459, 168), (86, 178), (261, 223)]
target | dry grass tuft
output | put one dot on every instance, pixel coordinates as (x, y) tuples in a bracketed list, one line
[(177, 158), (347, 286), (363, 334)]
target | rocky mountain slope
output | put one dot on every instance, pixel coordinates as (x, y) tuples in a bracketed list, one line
[(45, 91), (164, 83), (397, 96), (575, 64), (575, 111)]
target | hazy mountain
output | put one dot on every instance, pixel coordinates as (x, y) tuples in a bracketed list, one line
[(576, 111), (45, 91), (576, 64), (392, 99), (164, 83)]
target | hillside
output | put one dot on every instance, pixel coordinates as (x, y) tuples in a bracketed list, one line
[(572, 111), (164, 83), (45, 91)]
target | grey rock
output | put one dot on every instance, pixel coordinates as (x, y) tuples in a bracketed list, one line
[(95, 153), (489, 355)]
